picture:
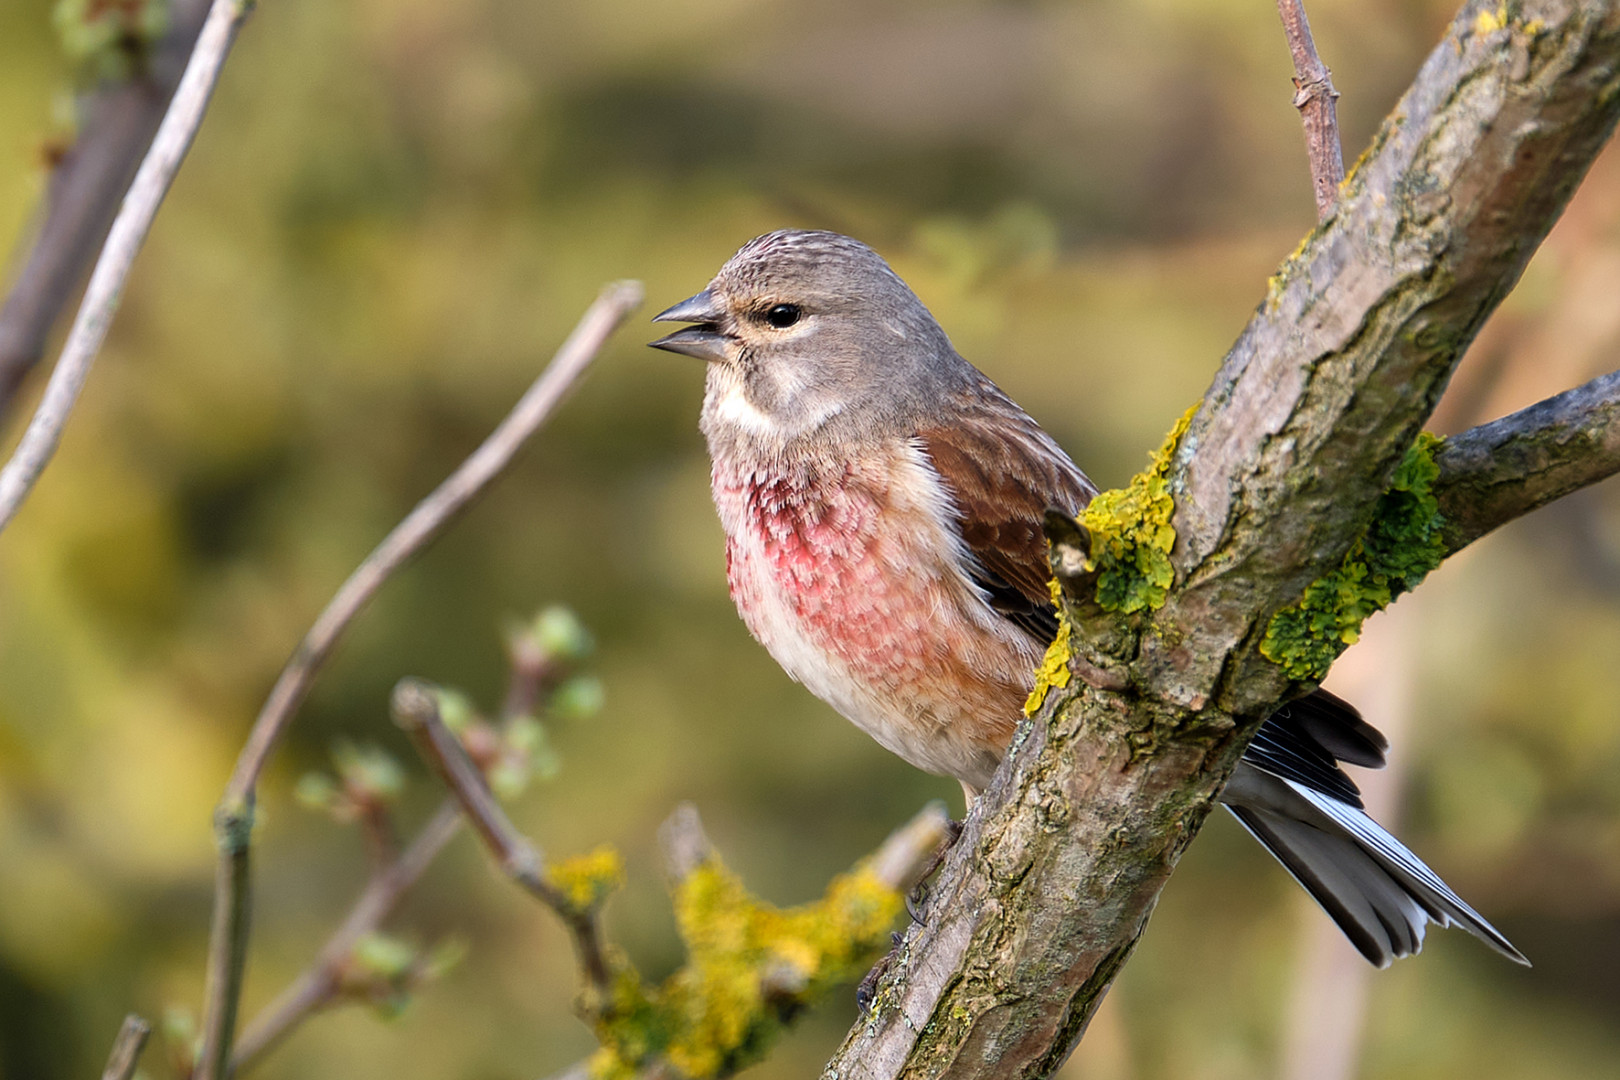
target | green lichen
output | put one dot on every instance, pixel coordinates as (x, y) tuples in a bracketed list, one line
[(584, 881), (1054, 670), (750, 968), (1399, 548), (1131, 534)]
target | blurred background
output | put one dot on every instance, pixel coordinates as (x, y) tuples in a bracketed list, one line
[(395, 211)]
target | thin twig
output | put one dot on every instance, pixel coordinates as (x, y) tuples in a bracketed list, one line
[(426, 521), (227, 953), (1315, 99), (124, 242), (126, 1051), (118, 122), (416, 709), (318, 985)]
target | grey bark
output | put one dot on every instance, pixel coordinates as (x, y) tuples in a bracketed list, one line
[(1062, 859)]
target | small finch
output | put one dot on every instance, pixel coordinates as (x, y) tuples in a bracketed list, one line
[(882, 502)]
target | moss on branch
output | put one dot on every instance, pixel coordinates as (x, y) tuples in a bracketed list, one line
[(1401, 544), (751, 968)]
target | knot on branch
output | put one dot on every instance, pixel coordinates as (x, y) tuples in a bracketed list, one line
[(1317, 86)]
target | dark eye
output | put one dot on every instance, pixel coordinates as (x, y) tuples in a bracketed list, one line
[(783, 316)]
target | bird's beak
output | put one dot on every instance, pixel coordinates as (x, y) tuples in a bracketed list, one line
[(704, 341)]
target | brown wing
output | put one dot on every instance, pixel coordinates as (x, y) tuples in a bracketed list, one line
[(1004, 472)]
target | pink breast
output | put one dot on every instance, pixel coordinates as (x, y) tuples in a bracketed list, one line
[(856, 581)]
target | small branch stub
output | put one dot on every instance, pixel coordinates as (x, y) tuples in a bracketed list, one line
[(1315, 98)]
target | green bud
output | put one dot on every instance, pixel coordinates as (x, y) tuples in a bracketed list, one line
[(384, 957), (369, 770), (315, 791), (580, 698), (560, 635), (455, 709)]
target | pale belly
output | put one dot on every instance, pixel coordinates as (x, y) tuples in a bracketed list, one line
[(855, 586)]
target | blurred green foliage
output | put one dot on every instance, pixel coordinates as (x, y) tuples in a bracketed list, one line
[(395, 211)]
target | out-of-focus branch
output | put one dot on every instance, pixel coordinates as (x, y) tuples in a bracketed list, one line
[(678, 1035), (1498, 471), (1316, 100), (321, 983), (118, 122), (126, 1051), (233, 819), (416, 709), (427, 520), (124, 240)]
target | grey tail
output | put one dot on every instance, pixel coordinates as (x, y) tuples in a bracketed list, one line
[(1380, 894)]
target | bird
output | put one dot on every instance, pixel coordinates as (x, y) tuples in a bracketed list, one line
[(882, 502)]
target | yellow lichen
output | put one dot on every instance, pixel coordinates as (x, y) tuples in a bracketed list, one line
[(750, 967), (586, 880), (1054, 669), (1487, 22), (1131, 534)]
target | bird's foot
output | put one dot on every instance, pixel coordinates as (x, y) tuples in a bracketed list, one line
[(917, 898), (867, 990)]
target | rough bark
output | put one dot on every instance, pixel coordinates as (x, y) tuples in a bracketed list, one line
[(1063, 858), (1502, 470)]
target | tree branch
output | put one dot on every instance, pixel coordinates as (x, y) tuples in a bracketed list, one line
[(416, 709), (233, 819), (128, 233), (1316, 101), (318, 986), (118, 123), (1063, 857), (126, 1051), (1502, 470)]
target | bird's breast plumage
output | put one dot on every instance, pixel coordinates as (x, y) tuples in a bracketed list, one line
[(852, 574)]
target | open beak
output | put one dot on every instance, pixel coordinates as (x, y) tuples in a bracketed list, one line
[(704, 341)]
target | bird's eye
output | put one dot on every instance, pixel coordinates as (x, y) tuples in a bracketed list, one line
[(783, 316)]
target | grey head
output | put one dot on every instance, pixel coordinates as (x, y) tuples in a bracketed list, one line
[(812, 335)]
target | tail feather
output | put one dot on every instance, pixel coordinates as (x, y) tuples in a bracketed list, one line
[(1380, 894)]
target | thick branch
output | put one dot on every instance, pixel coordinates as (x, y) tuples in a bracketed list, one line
[(118, 123), (1359, 331), (1317, 103), (128, 233), (1064, 856), (1498, 471)]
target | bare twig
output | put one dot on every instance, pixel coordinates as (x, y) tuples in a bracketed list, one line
[(426, 521), (319, 984), (234, 817), (416, 709), (119, 120), (126, 1051), (1498, 471), (1315, 99), (124, 242)]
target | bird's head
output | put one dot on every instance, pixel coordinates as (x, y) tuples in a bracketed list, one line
[(804, 331)]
